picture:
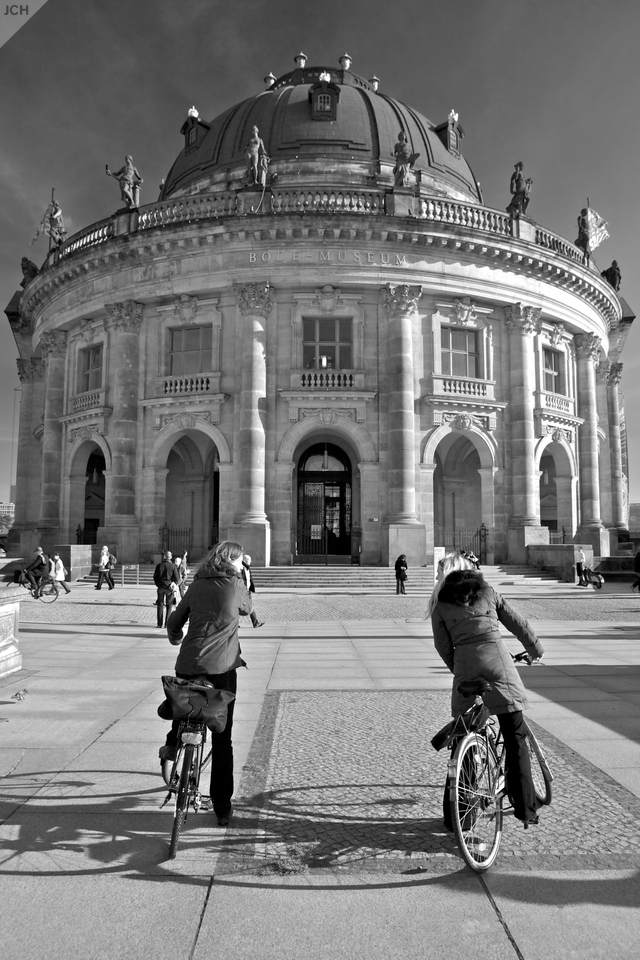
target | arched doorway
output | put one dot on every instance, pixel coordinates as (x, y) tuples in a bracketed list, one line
[(324, 505), (86, 493), (558, 490), (457, 494), (192, 496)]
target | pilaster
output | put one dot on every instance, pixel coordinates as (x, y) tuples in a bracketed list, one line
[(54, 350), (588, 351)]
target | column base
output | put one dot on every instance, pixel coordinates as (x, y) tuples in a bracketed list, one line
[(407, 538), (597, 537), (519, 538), (255, 539)]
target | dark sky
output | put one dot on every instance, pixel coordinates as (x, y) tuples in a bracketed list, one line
[(554, 83)]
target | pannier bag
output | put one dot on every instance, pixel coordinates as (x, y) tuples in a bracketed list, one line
[(196, 700)]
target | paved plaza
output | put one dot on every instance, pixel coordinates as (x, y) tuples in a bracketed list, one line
[(337, 848)]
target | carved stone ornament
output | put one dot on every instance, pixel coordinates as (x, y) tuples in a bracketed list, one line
[(558, 434), (328, 298), (602, 371), (187, 420), (83, 433), (54, 345), (400, 301), (30, 370), (588, 346), (463, 422), (127, 315), (556, 334), (615, 374), (327, 414), (523, 320), (465, 310), (254, 299), (186, 308)]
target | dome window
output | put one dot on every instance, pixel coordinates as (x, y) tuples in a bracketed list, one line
[(323, 98), (193, 130), (451, 133)]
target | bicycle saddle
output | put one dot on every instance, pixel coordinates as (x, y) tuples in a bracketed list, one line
[(470, 688)]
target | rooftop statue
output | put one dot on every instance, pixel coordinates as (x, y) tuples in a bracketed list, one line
[(520, 191), (612, 275), (404, 161), (29, 271), (258, 160), (52, 224), (129, 180)]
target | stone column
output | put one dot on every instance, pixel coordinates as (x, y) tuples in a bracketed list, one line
[(618, 518), (29, 459), (405, 534), (523, 323), (121, 524), (54, 351), (251, 527), (591, 530), (604, 461)]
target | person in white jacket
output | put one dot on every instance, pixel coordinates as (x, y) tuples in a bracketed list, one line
[(59, 572)]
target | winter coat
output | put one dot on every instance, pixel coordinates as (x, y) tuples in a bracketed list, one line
[(248, 578), (165, 574), (401, 567), (212, 605), (60, 573), (467, 636), (636, 562)]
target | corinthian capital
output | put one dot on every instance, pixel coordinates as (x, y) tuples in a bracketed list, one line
[(126, 315), (588, 346), (254, 299), (54, 344), (522, 319), (615, 374), (30, 370), (602, 371), (400, 301)]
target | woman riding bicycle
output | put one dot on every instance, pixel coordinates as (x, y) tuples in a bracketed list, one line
[(465, 615), (211, 649)]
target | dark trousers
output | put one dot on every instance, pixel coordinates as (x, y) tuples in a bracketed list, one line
[(104, 576), (164, 603), (400, 586), (221, 783), (580, 572)]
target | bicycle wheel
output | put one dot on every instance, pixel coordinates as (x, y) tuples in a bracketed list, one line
[(540, 771), (48, 592), (476, 801), (182, 800)]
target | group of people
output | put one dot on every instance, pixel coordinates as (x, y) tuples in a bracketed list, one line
[(44, 569), (465, 614)]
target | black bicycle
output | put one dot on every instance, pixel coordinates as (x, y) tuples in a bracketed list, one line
[(476, 777), (183, 775), (44, 589), (591, 576)]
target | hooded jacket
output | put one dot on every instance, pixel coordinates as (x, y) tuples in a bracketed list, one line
[(466, 631), (212, 605)]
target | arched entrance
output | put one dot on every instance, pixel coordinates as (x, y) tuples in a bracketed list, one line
[(191, 514), (457, 494), (558, 489), (324, 505), (86, 496)]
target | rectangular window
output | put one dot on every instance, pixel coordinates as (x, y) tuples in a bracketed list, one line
[(327, 344), (323, 103), (460, 353), (90, 369), (553, 372), (190, 351)]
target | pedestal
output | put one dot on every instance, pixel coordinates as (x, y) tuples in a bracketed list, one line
[(252, 202), (399, 203), (519, 538), (10, 656), (597, 537), (407, 538), (255, 539)]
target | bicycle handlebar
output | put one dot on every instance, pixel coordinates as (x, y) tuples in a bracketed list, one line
[(524, 657)]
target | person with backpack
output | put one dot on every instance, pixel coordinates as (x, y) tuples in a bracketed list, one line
[(106, 563)]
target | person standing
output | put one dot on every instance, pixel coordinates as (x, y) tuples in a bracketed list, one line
[(466, 614), (636, 570), (106, 563), (164, 575), (60, 573), (401, 573), (250, 585), (211, 649), (580, 562), (183, 572)]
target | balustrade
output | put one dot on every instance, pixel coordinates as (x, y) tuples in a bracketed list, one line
[(180, 386), (462, 387), (327, 379), (86, 401), (552, 401)]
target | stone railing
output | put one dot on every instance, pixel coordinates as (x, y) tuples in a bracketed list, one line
[(187, 209), (466, 215), (87, 401), (552, 401), (183, 386), (462, 387), (89, 237), (327, 379), (550, 241), (327, 201)]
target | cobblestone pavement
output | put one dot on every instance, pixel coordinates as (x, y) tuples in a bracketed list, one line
[(349, 781), (134, 605)]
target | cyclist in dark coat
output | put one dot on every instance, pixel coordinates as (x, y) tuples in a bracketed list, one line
[(465, 616), (211, 649)]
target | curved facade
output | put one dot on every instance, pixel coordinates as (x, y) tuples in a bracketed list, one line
[(324, 364)]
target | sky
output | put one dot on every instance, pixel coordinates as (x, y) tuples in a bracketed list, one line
[(554, 83)]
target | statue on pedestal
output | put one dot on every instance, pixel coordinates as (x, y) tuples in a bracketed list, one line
[(29, 271), (520, 191), (612, 275), (129, 180), (404, 161), (258, 160)]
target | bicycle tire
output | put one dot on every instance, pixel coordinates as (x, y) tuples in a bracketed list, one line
[(48, 593), (171, 770), (476, 801), (540, 772), (182, 799)]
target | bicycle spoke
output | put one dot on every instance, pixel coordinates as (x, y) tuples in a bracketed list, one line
[(476, 803)]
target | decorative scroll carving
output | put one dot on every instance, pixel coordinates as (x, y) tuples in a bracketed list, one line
[(523, 320), (588, 346), (187, 420), (86, 432), (615, 374), (54, 344), (602, 371), (556, 334), (327, 414), (186, 308), (30, 370), (254, 299), (328, 298), (465, 421), (127, 315), (400, 301), (465, 310)]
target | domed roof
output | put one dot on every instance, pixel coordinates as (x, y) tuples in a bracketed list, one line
[(352, 146)]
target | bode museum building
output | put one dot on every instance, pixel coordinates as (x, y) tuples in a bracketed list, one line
[(321, 343)]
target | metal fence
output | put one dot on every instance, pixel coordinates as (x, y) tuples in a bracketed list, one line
[(175, 539), (472, 539)]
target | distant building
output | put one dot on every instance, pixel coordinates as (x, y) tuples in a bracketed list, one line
[(320, 342), (7, 509)]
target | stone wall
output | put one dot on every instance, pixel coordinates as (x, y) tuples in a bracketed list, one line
[(559, 558)]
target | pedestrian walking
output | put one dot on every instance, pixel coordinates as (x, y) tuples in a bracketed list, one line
[(251, 587), (401, 573), (183, 573), (580, 562), (106, 564), (636, 570), (211, 649), (60, 572), (466, 614), (164, 576)]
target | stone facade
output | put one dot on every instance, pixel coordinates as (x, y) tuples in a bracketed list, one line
[(314, 369)]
